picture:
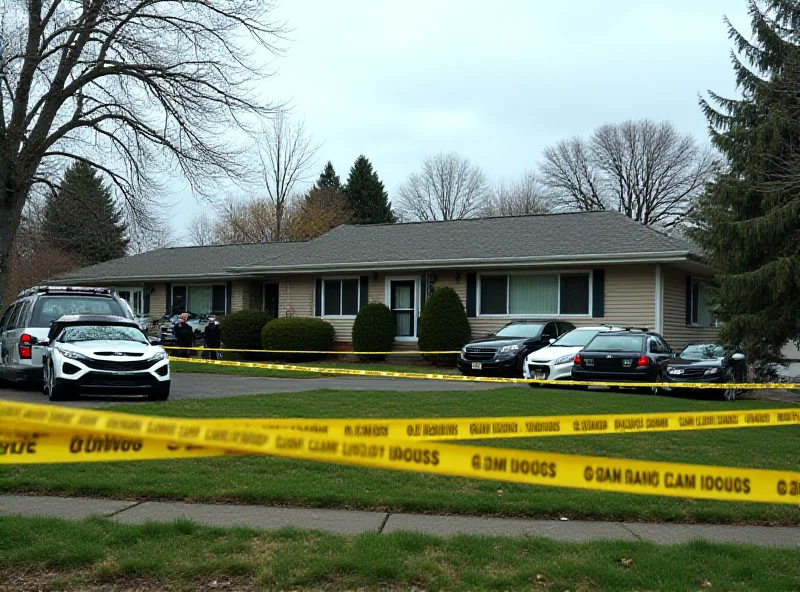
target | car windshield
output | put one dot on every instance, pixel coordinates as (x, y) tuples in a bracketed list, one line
[(521, 330), (576, 338), (102, 333), (622, 343), (50, 308), (703, 351)]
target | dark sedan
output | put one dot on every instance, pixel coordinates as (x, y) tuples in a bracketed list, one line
[(633, 355), (711, 363), (503, 353)]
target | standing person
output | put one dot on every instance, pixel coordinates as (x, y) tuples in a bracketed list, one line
[(184, 335), (213, 338)]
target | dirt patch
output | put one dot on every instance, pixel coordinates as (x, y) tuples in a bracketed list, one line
[(775, 395)]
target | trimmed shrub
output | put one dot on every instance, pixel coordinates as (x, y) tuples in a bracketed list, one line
[(295, 333), (242, 330), (443, 326), (374, 330)]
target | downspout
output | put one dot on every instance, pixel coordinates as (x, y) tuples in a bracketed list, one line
[(659, 291)]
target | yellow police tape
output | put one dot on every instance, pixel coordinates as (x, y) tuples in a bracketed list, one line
[(71, 435), (496, 379), (316, 352)]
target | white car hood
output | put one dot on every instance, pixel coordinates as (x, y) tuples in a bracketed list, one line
[(550, 353), (111, 347)]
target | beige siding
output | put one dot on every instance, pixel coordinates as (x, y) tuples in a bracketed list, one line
[(158, 300), (676, 331), (240, 294), (296, 297), (629, 300), (447, 279)]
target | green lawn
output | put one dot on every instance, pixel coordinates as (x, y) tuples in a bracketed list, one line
[(264, 480), (181, 366), (46, 554)]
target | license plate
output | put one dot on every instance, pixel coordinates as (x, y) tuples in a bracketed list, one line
[(477, 366), (538, 375)]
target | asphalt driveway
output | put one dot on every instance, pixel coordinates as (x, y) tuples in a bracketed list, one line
[(208, 386)]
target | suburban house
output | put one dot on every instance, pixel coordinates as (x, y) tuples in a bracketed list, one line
[(585, 268)]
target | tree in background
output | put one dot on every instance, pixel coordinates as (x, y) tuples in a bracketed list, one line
[(366, 196), (646, 170), (251, 221), (286, 153), (158, 233), (320, 210), (200, 232), (521, 197), (749, 219), (82, 219), (136, 88), (449, 187), (328, 179)]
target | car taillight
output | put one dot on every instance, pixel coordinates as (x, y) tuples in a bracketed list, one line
[(577, 360), (643, 362), (25, 347)]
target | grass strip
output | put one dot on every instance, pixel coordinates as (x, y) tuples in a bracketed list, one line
[(194, 367), (95, 554)]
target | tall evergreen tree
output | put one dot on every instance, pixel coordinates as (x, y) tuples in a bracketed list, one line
[(82, 219), (749, 219), (366, 196), (328, 179)]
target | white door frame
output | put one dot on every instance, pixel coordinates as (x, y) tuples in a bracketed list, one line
[(388, 300), (130, 301)]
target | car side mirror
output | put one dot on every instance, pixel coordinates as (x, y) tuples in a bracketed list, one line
[(154, 340), (737, 357), (551, 340)]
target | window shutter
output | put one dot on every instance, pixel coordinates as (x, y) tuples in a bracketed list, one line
[(228, 297), (364, 292), (688, 300), (318, 299), (598, 293), (472, 294), (168, 299), (146, 300)]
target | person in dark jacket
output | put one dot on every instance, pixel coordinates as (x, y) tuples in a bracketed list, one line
[(184, 335), (213, 339)]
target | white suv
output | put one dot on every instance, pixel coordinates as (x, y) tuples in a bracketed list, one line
[(555, 361)]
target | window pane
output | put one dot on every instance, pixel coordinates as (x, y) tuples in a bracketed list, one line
[(199, 300), (333, 297), (404, 323), (349, 297), (493, 294), (178, 299), (695, 302), (402, 296), (533, 294), (50, 308), (705, 315), (218, 299), (575, 294)]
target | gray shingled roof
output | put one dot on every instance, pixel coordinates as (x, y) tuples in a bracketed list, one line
[(554, 236), (181, 262)]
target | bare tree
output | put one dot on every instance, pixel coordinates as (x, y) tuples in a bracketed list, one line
[(200, 232), (449, 187), (521, 197), (158, 233), (321, 210), (139, 89), (251, 221), (646, 170), (287, 155)]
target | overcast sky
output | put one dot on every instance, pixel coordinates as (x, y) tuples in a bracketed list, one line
[(496, 82)]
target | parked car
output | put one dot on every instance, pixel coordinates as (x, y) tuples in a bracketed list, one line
[(102, 353), (30, 316), (709, 362), (630, 355), (504, 352), (555, 361)]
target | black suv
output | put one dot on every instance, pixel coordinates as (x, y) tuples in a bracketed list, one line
[(504, 352), (631, 355)]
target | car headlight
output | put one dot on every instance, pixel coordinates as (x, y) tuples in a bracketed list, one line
[(158, 356), (73, 355), (711, 371), (509, 349), (564, 360)]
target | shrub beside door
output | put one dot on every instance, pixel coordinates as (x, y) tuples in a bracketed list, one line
[(242, 330), (297, 334), (443, 326), (374, 331)]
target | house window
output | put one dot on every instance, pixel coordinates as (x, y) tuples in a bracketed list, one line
[(702, 313), (340, 297), (201, 300), (535, 294)]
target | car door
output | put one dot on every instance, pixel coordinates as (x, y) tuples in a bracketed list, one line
[(8, 345), (564, 327), (550, 331), (3, 320), (659, 351)]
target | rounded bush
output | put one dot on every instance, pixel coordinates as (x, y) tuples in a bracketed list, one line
[(299, 334), (373, 331), (443, 326), (242, 330)]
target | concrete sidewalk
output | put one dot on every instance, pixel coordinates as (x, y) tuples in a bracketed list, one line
[(350, 522)]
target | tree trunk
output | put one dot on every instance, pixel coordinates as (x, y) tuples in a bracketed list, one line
[(11, 205)]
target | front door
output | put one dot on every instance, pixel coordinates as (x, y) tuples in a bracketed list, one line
[(134, 297), (403, 303), (271, 300)]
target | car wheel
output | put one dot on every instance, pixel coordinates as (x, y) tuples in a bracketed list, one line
[(55, 389), (159, 392)]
